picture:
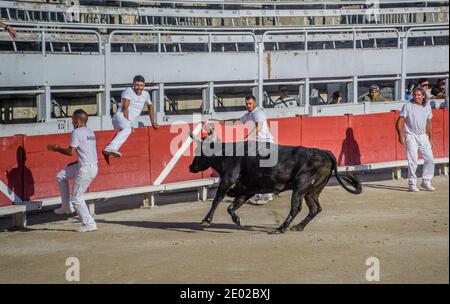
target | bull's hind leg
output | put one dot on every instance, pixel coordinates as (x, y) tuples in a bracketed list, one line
[(237, 203), (312, 201), (296, 207)]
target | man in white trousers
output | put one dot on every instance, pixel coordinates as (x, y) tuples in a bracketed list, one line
[(416, 117), (130, 108), (83, 172), (259, 132)]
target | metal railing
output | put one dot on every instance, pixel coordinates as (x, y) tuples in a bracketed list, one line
[(210, 37)]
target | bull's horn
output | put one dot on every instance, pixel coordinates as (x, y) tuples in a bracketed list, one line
[(195, 138)]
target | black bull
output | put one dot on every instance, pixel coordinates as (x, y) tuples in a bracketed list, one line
[(305, 171)]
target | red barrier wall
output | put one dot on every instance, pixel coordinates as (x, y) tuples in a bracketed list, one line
[(327, 133), (372, 138), (438, 133), (12, 168), (287, 131), (445, 135), (131, 170), (44, 165), (30, 170)]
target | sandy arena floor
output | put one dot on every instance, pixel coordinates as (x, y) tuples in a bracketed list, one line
[(407, 232)]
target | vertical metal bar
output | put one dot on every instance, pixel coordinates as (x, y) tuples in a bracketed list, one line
[(208, 98), (306, 41), (306, 95), (446, 88), (398, 90), (159, 113), (403, 66), (159, 43), (355, 89), (43, 42), (44, 105), (209, 43), (106, 108), (260, 96)]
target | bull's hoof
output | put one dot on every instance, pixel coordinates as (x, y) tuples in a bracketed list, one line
[(205, 224), (297, 228), (237, 221), (278, 230)]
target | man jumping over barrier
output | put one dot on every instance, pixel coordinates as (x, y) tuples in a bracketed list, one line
[(130, 107)]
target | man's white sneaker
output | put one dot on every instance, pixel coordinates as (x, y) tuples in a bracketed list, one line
[(427, 186), (85, 228), (112, 152), (413, 188), (64, 211)]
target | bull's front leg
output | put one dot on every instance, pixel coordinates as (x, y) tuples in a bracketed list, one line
[(220, 194)]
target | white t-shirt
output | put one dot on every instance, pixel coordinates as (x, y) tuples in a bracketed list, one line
[(136, 103), (257, 115), (84, 140), (289, 102), (416, 117)]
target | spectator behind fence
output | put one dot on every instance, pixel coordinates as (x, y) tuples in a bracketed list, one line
[(9, 29), (439, 90), (285, 101), (336, 98), (374, 95), (425, 84)]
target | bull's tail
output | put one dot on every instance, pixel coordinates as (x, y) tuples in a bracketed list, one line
[(348, 178)]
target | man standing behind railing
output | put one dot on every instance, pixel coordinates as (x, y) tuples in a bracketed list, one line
[(285, 101), (9, 29), (417, 115), (374, 95), (133, 100)]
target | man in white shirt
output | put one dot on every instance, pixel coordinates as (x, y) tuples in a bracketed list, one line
[(416, 117), (130, 108), (83, 172), (257, 121), (285, 101)]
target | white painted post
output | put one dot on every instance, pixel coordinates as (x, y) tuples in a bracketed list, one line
[(19, 220), (202, 193), (208, 98), (91, 206), (44, 105)]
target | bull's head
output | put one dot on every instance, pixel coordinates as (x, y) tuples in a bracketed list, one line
[(204, 151)]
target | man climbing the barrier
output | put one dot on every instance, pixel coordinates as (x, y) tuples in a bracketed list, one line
[(130, 107), (83, 172)]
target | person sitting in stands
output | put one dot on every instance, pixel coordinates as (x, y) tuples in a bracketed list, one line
[(374, 95), (336, 98), (438, 91), (285, 101)]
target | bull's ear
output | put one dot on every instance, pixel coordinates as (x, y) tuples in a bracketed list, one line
[(195, 138)]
